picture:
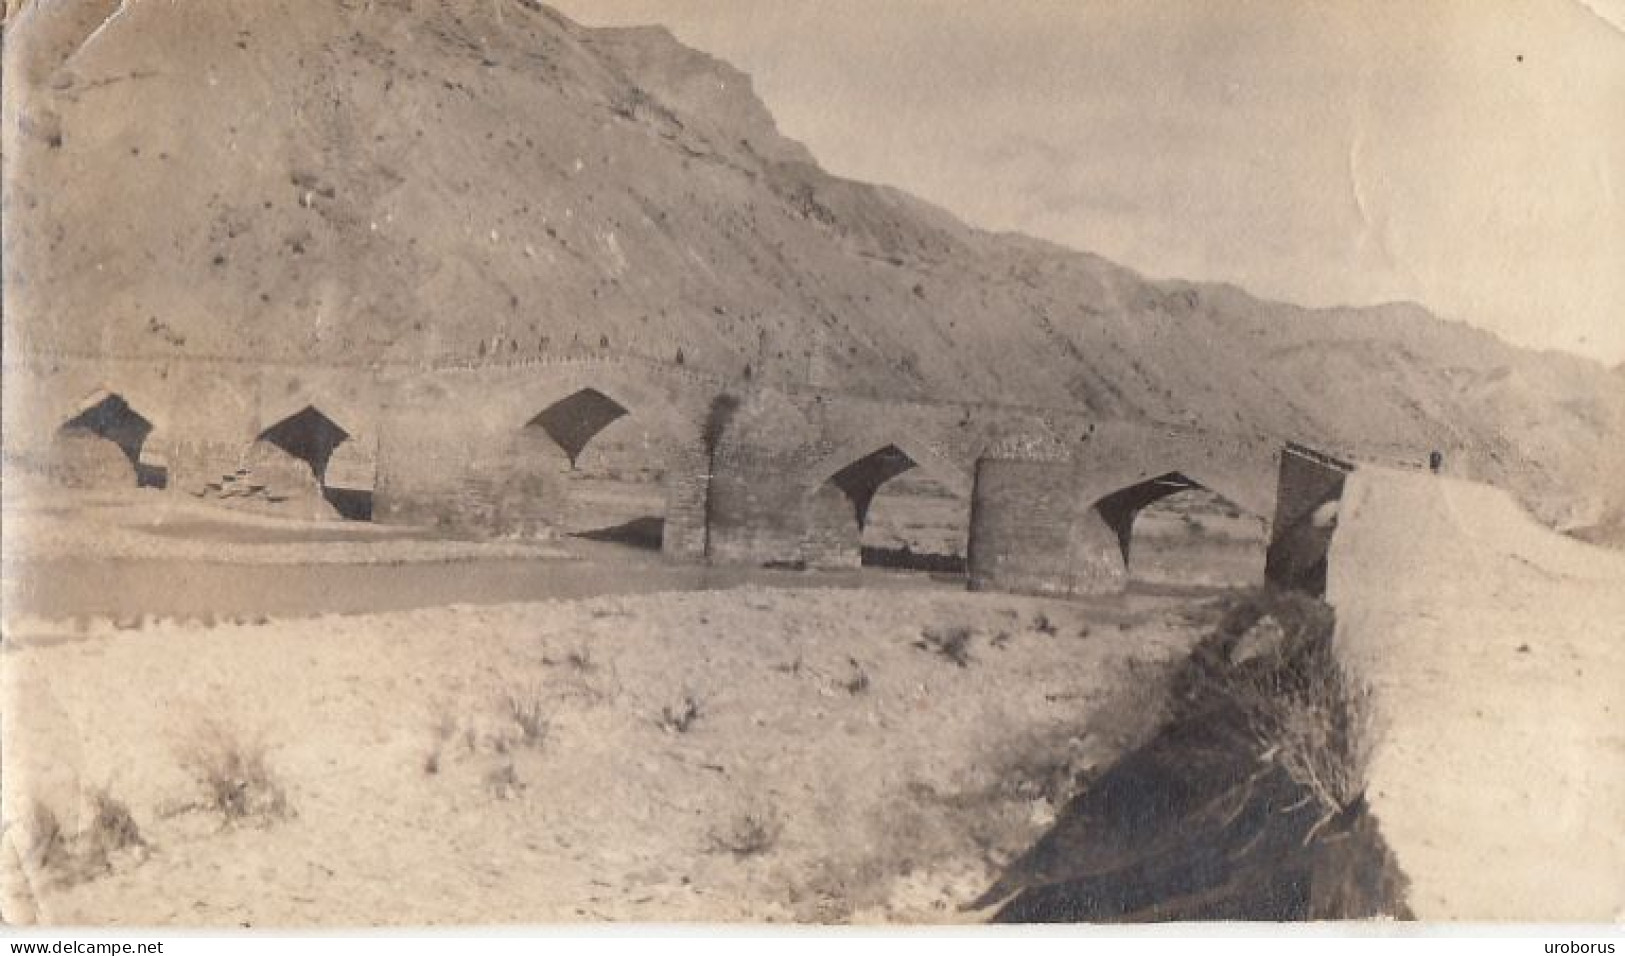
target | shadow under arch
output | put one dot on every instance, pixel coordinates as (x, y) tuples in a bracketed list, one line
[(99, 431), (839, 509), (289, 461), (578, 418), (622, 498), (1120, 510)]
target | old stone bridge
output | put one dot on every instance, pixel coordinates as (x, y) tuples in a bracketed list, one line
[(749, 472)]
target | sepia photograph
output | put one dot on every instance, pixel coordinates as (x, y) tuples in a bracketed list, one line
[(812, 463)]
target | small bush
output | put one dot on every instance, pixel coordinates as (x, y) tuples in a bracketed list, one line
[(111, 829), (681, 718), (47, 843), (445, 728), (530, 716), (234, 777), (859, 681), (952, 644), (748, 834), (1323, 736), (503, 783), (67, 859), (1269, 672), (1043, 625), (112, 826)]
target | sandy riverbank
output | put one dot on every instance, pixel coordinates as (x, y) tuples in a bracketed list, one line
[(840, 763)]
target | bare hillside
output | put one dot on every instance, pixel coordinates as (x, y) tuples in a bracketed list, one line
[(407, 180)]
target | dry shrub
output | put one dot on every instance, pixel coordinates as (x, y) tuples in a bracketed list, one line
[(47, 842), (112, 826), (74, 858), (445, 728), (750, 833), (581, 660), (1324, 738), (233, 776), (680, 719), (1268, 674), (951, 644), (522, 720), (502, 782), (112, 829), (858, 682), (528, 713)]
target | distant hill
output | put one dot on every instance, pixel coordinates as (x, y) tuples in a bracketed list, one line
[(410, 179)]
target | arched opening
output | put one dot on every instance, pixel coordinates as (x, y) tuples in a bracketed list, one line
[(1172, 530), (610, 473), (574, 421), (861, 480), (869, 514), (289, 468), (309, 436), (916, 523), (101, 446)]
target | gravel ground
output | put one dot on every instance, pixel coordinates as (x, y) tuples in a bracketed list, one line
[(750, 754)]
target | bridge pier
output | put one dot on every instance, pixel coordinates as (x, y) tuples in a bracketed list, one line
[(688, 491), (1310, 486), (1032, 532)]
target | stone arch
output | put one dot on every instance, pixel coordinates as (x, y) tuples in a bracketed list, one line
[(844, 488), (331, 432), (308, 435), (136, 397), (1119, 509), (99, 443), (286, 468), (853, 451), (568, 413), (622, 495), (326, 402), (578, 418), (523, 393)]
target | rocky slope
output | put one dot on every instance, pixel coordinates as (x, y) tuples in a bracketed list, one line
[(416, 179)]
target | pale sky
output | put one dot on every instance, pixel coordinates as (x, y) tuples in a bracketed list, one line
[(1465, 154)]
